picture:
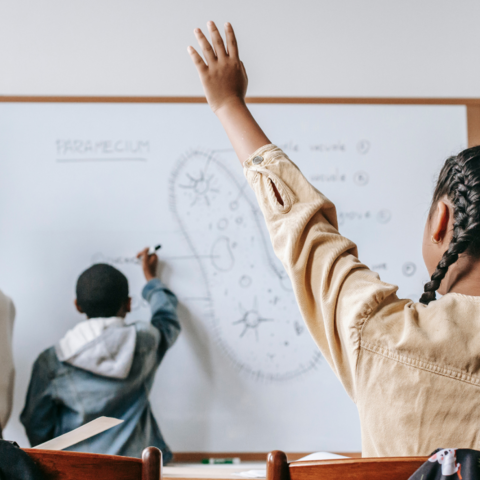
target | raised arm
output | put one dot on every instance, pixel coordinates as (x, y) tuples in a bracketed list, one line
[(224, 81), (335, 292), (163, 303)]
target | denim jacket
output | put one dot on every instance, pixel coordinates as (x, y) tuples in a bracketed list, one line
[(64, 395)]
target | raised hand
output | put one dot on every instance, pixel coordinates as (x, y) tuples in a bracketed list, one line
[(222, 74), (224, 80), (149, 264)]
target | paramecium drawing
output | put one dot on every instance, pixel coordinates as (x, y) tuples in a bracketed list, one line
[(250, 305)]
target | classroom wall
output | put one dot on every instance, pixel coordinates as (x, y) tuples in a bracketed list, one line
[(296, 48)]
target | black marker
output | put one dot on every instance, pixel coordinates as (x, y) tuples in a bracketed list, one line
[(152, 250)]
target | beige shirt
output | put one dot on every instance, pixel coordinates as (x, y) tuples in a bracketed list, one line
[(412, 370), (7, 372)]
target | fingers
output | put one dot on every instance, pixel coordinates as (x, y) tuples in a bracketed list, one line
[(151, 264), (232, 46), (217, 40), (153, 258), (197, 59), (207, 49), (143, 253)]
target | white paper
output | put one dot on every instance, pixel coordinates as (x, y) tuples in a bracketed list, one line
[(210, 472), (321, 456), (311, 456), (252, 474), (88, 430)]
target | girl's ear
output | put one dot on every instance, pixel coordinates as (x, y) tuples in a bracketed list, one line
[(439, 226)]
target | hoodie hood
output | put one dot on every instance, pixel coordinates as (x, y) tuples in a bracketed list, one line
[(104, 346)]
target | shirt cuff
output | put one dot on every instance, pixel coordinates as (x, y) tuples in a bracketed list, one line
[(263, 156), (267, 167)]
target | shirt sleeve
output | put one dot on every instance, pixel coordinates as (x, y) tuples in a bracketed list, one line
[(7, 375), (163, 305), (336, 293)]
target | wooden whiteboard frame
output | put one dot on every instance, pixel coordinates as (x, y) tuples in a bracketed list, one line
[(472, 104)]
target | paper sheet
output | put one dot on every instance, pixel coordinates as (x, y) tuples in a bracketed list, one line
[(312, 456), (252, 474), (88, 430), (320, 456)]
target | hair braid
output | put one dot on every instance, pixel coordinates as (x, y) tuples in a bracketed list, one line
[(459, 180)]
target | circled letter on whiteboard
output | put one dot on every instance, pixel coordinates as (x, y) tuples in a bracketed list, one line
[(361, 178)]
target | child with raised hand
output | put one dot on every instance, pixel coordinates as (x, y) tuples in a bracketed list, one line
[(413, 369), (105, 366)]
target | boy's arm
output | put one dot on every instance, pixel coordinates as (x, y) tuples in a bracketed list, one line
[(39, 416), (163, 302)]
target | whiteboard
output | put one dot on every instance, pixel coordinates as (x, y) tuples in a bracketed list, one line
[(82, 183)]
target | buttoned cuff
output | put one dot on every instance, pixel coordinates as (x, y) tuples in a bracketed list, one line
[(263, 156)]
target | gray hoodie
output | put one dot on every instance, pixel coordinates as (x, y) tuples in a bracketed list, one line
[(104, 346)]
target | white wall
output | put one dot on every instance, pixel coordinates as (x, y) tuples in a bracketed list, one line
[(290, 47)]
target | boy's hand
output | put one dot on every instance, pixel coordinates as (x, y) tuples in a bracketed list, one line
[(149, 264), (223, 76)]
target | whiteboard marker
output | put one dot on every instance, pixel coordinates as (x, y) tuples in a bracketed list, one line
[(152, 250), (221, 461)]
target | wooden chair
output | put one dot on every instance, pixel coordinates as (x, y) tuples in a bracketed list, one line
[(382, 468), (58, 465)]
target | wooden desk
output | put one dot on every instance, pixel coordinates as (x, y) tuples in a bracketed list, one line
[(247, 457), (188, 465)]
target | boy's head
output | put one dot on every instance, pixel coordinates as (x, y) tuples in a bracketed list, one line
[(102, 291)]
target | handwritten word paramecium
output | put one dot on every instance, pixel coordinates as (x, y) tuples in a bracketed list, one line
[(101, 147)]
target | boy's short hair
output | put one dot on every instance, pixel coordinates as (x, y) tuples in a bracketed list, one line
[(101, 291)]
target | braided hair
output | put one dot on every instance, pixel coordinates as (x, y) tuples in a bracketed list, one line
[(459, 181)]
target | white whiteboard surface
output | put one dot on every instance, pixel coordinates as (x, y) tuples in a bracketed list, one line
[(81, 183)]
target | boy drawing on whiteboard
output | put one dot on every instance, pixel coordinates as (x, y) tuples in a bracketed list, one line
[(105, 367)]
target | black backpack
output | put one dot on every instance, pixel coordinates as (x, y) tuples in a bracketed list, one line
[(450, 464), (15, 464)]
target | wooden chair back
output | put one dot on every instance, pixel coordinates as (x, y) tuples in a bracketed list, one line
[(58, 465), (382, 468)]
